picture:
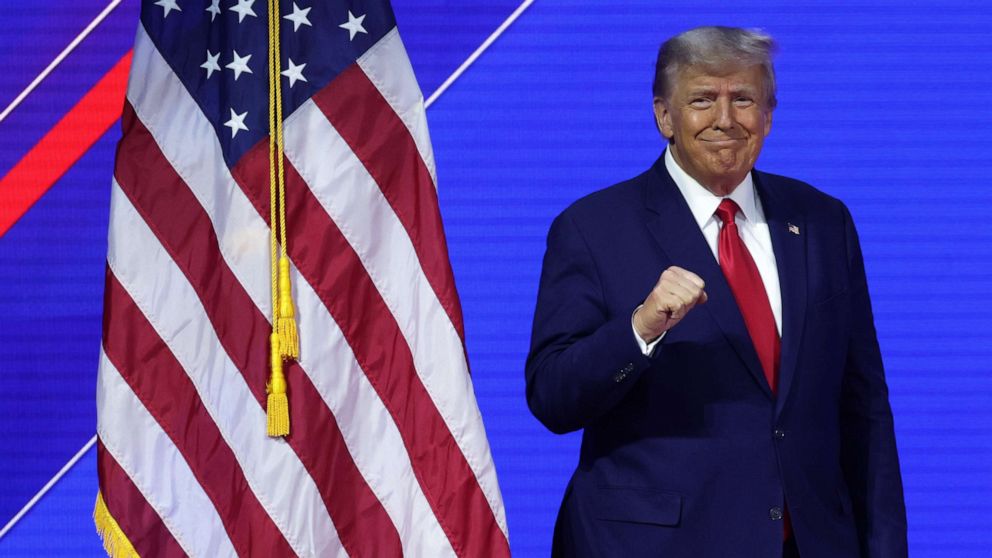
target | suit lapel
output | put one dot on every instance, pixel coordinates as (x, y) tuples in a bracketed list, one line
[(671, 223), (788, 232)]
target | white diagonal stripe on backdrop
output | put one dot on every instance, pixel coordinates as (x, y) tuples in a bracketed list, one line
[(58, 59)]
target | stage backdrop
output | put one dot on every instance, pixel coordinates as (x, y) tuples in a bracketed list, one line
[(887, 105)]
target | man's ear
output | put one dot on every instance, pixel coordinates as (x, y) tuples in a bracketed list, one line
[(768, 122), (663, 118)]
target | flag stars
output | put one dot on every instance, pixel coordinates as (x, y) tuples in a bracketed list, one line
[(236, 122), (353, 25), (168, 6), (294, 73), (239, 65), (211, 64), (244, 9), (298, 17), (214, 10)]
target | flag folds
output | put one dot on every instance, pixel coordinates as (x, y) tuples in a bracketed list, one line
[(386, 454)]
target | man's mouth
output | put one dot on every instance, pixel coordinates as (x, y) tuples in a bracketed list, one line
[(723, 142)]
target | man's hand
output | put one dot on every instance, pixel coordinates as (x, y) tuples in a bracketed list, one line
[(676, 292)]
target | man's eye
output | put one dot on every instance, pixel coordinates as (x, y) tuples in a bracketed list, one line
[(700, 102), (743, 101)]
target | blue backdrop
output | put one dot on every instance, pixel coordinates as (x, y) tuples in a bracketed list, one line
[(887, 105)]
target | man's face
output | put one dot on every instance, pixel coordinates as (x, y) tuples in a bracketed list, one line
[(718, 123)]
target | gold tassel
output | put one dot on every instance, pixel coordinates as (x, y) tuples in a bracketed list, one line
[(277, 406), (289, 341), (114, 540)]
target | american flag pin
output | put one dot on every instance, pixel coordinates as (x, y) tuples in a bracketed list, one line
[(793, 229)]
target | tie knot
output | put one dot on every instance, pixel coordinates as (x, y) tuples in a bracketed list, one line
[(727, 211)]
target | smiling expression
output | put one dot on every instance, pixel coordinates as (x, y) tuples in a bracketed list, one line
[(716, 124)]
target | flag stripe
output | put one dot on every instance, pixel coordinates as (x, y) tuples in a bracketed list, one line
[(160, 289), (147, 456), (129, 339), (353, 201), (388, 67), (186, 231), (143, 527), (187, 142), (382, 142), (328, 263)]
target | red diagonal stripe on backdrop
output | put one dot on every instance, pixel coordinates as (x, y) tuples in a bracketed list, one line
[(63, 145)]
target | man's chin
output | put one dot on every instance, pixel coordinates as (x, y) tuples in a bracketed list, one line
[(727, 167), (723, 180)]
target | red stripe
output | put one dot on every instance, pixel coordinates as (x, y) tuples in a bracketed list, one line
[(138, 520), (63, 145), (384, 145), (159, 381), (185, 231), (329, 264)]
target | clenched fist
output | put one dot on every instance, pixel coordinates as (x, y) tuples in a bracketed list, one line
[(676, 292)]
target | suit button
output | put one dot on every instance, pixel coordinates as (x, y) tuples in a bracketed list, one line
[(775, 513), (779, 434)]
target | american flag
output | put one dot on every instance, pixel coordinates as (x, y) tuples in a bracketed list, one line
[(387, 455)]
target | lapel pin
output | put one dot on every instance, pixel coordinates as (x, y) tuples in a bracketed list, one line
[(793, 229)]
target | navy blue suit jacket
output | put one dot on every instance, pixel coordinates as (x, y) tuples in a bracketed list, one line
[(687, 453)]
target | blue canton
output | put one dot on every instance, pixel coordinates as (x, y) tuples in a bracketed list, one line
[(218, 49)]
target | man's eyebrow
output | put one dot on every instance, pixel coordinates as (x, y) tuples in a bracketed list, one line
[(743, 88), (707, 90), (702, 90)]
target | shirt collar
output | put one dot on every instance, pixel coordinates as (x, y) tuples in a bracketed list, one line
[(703, 203)]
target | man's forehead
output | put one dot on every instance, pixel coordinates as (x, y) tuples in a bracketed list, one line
[(736, 78)]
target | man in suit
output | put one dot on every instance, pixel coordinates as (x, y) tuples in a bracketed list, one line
[(709, 328)]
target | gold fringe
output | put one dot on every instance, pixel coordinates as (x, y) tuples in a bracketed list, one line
[(289, 342), (115, 542), (277, 405)]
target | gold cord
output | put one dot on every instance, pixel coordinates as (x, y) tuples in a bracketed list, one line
[(284, 341)]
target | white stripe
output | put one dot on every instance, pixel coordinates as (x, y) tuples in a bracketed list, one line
[(388, 68), (478, 52), (145, 452), (367, 427), (273, 471), (58, 59), (353, 200), (189, 142), (48, 486)]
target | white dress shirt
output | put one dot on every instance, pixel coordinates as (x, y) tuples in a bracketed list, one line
[(750, 222)]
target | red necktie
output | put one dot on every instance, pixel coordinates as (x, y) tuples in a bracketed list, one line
[(749, 291)]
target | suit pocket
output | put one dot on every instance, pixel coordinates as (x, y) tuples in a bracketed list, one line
[(840, 295), (638, 505)]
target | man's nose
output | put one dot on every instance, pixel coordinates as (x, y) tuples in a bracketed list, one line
[(723, 119)]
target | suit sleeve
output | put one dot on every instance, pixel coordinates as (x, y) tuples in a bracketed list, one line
[(582, 361), (868, 453)]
